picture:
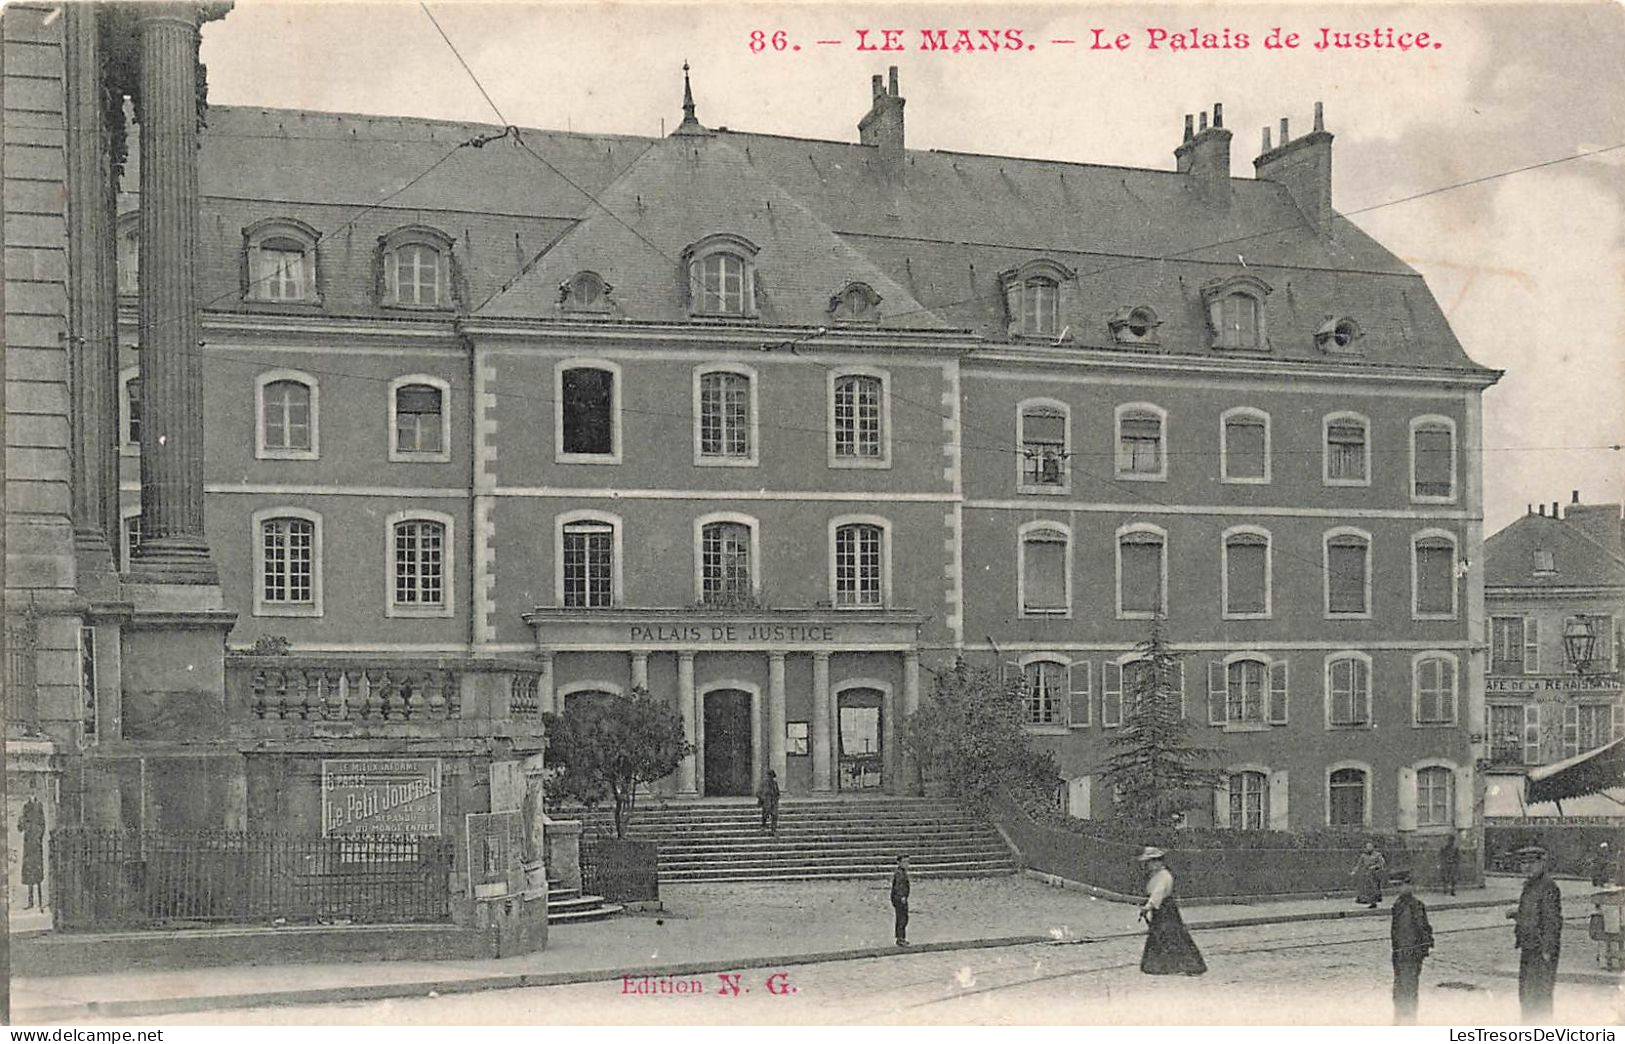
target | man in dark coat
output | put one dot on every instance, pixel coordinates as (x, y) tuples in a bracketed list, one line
[(768, 798), (32, 826), (1601, 872), (1449, 864), (899, 899), (1412, 938), (1538, 935)]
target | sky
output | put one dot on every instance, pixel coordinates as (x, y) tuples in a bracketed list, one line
[(1529, 267)]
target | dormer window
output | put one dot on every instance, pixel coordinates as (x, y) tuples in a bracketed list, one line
[(416, 268), (1032, 298), (721, 276), (1134, 325), (280, 262), (585, 292), (856, 303), (1337, 334), (1545, 563), (1235, 312)]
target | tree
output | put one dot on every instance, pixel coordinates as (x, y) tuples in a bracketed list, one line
[(968, 735), (1154, 768), (605, 746)]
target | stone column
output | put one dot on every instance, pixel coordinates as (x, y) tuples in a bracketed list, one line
[(544, 684), (911, 703), (91, 304), (174, 549), (891, 761), (775, 715), (640, 671), (822, 739), (686, 784)]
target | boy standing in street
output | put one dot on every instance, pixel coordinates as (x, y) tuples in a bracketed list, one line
[(899, 899), (1412, 938)]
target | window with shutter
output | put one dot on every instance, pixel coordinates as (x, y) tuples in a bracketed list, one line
[(1531, 645), (1245, 688), (1043, 447), (1346, 460), (1571, 731), (1044, 692), (1218, 692), (1111, 694), (418, 420), (1348, 696), (1346, 802), (1347, 564), (1435, 683), (1435, 796), (1433, 461), (1043, 573), (1435, 565), (1079, 678), (1249, 801), (1139, 444), (1245, 449), (1278, 692), (1506, 733), (1531, 734), (1246, 575)]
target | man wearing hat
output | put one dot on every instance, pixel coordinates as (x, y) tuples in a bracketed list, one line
[(1601, 872), (1412, 938), (1538, 935), (1169, 948)]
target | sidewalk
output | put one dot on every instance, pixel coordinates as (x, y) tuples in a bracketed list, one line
[(705, 927)]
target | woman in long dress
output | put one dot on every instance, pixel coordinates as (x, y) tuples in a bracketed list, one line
[(1369, 870), (1169, 948)]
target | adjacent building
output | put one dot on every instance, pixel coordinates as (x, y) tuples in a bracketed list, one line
[(495, 419)]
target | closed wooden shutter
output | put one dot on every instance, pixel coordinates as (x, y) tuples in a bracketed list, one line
[(1246, 562), (1215, 692), (1079, 678), (1531, 645), (1407, 798), (1279, 818), (1278, 692), (1531, 734), (1434, 472), (1043, 558), (1244, 447), (1111, 694), (1079, 793)]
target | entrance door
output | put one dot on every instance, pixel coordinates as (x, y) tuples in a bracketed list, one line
[(860, 756), (728, 743)]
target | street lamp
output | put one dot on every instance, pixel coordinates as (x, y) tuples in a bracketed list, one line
[(1579, 642)]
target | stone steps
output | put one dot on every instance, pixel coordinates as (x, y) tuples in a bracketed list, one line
[(818, 839), (569, 906)]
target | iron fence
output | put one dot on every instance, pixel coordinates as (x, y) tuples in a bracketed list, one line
[(111, 879), (620, 869)]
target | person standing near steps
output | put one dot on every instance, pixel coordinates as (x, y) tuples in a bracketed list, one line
[(899, 900)]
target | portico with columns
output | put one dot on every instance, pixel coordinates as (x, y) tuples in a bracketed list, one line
[(816, 695)]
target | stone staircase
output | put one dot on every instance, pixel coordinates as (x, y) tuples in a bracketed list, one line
[(569, 906), (818, 839)]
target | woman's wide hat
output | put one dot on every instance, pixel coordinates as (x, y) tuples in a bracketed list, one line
[(1150, 852)]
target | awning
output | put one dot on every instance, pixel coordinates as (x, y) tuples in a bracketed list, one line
[(1588, 773)]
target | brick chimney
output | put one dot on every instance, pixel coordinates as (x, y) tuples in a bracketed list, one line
[(883, 126), (1600, 522), (1205, 156), (1304, 167)]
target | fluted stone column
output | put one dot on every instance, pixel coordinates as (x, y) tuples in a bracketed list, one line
[(686, 783), (823, 740), (776, 756), (91, 303), (173, 546)]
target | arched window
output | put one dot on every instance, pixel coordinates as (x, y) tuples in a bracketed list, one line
[(1044, 692), (1346, 798), (1141, 451), (856, 303), (1244, 446), (1435, 796), (1247, 691), (726, 553), (587, 394), (287, 562), (588, 551), (1433, 679), (1433, 575), (858, 564), (1348, 691), (721, 276), (416, 268), (420, 553), (1433, 459), (1235, 312), (1032, 297), (419, 426), (1246, 574), (1042, 431), (287, 412), (1347, 460), (585, 291), (1249, 794), (859, 420), (1142, 574), (281, 262), (1044, 578), (725, 416), (1348, 573)]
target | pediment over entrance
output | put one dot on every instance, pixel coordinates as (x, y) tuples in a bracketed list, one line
[(781, 630)]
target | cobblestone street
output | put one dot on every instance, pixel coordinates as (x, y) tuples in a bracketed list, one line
[(1300, 973)]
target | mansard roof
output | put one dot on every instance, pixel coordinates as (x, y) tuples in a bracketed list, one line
[(1579, 559), (930, 233)]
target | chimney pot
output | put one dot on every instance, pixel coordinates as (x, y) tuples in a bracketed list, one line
[(1542, 510), (879, 85), (1528, 508), (892, 73), (1266, 146), (1218, 114), (1554, 509), (1190, 123), (882, 125), (1575, 497), (1202, 124), (1284, 136), (1320, 116)]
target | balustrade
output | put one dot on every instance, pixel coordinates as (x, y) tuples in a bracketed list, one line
[(287, 689)]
